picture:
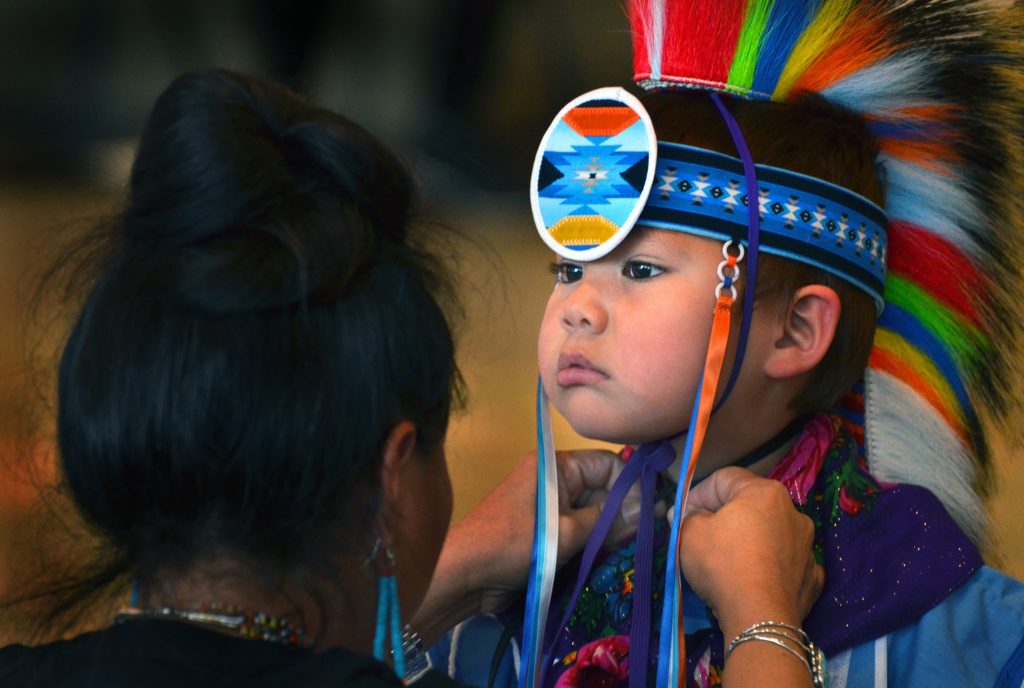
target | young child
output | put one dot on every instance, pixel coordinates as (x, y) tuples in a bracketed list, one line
[(872, 273)]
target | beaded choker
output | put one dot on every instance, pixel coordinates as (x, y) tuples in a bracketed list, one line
[(254, 625)]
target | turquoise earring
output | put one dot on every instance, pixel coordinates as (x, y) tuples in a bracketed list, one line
[(389, 618)]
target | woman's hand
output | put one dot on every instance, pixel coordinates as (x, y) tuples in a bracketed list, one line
[(747, 554), (486, 557), (745, 545)]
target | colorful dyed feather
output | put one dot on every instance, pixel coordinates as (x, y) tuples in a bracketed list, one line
[(941, 85)]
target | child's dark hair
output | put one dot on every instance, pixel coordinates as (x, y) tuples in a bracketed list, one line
[(260, 318), (815, 138)]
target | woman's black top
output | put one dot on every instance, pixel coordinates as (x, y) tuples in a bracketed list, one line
[(161, 653)]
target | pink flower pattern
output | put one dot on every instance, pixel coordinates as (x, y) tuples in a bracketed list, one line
[(703, 671), (603, 662), (800, 467)]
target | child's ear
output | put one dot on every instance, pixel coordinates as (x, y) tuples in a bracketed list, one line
[(807, 332)]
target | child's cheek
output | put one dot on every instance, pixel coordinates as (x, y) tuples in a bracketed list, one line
[(547, 358)]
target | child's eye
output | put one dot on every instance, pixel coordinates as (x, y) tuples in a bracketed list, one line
[(566, 273), (639, 270)]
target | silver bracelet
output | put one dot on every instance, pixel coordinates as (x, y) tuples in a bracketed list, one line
[(792, 639), (780, 628), (774, 641)]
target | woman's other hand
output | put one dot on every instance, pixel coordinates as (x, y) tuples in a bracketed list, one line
[(485, 562)]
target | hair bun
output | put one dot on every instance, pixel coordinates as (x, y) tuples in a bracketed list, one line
[(246, 197)]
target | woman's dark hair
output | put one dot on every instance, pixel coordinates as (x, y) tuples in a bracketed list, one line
[(261, 317), (816, 138)]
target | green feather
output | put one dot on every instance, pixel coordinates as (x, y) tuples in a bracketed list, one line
[(967, 343), (741, 73)]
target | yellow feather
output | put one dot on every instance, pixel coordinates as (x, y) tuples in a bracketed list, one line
[(923, 366), (812, 42)]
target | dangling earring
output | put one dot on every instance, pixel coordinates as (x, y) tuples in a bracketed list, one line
[(389, 622)]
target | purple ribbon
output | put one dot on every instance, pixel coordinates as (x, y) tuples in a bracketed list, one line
[(645, 464), (661, 457), (753, 240)]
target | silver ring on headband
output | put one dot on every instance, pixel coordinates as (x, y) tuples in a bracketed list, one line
[(728, 244)]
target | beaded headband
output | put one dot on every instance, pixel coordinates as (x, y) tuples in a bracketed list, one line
[(596, 175), (802, 218)]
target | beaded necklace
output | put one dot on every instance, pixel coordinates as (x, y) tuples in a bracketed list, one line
[(254, 625)]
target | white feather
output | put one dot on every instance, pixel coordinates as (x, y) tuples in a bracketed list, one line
[(931, 200), (885, 86), (908, 442), (656, 37)]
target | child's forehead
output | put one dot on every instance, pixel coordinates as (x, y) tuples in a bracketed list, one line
[(670, 236), (647, 238)]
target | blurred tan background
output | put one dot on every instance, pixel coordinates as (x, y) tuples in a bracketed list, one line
[(463, 89)]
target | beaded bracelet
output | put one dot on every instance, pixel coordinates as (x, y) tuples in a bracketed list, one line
[(792, 639)]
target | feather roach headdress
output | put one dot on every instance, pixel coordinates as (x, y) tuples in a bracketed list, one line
[(939, 84)]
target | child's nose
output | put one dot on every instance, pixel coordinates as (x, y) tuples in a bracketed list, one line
[(584, 310)]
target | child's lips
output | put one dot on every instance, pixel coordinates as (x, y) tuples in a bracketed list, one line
[(576, 369)]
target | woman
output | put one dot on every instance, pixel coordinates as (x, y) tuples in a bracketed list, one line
[(252, 405)]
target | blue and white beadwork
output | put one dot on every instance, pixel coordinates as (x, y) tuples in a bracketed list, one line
[(802, 218)]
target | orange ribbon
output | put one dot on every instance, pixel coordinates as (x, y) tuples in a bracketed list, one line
[(717, 345)]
